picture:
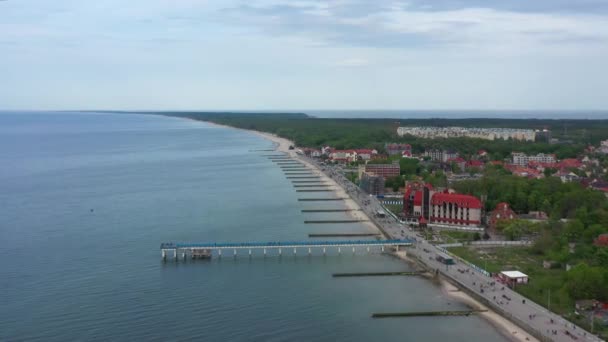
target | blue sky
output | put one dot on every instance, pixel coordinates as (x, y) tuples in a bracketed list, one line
[(304, 54)]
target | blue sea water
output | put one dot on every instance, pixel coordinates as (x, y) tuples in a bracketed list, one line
[(86, 199)]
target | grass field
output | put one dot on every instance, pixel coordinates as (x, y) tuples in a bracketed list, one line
[(522, 259)]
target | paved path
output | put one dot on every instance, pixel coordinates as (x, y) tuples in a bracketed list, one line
[(547, 324)]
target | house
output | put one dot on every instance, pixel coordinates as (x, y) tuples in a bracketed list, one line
[(601, 241), (407, 154), (482, 153), (570, 163), (343, 156), (502, 212), (394, 149), (512, 278), (475, 164), (460, 163), (567, 177), (365, 154), (326, 150), (524, 171)]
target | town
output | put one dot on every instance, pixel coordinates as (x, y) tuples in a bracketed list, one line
[(535, 222)]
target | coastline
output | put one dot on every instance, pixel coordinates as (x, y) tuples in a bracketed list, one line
[(504, 326)]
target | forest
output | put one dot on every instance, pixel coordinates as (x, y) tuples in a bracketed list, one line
[(307, 131)]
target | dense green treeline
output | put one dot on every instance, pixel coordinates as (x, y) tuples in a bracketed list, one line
[(557, 199), (374, 133)]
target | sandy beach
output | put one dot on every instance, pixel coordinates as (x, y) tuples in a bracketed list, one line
[(506, 327), (282, 145)]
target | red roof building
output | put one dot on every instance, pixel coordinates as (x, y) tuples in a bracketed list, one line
[(601, 241), (502, 212), (422, 202)]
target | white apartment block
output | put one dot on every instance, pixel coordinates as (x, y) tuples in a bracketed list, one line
[(522, 159), (479, 133)]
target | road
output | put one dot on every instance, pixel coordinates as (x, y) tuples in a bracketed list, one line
[(503, 300)]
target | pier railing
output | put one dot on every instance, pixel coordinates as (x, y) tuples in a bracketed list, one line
[(187, 248)]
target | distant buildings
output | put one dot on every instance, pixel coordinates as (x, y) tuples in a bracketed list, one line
[(522, 159), (441, 155), (603, 147), (383, 170), (542, 135), (394, 149), (479, 133), (423, 203), (349, 156)]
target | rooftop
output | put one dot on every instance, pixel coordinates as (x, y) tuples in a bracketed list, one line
[(514, 274)]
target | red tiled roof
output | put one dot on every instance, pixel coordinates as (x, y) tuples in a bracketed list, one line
[(570, 163), (475, 163), (467, 201)]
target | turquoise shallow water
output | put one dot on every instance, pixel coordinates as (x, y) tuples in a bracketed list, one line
[(86, 200)]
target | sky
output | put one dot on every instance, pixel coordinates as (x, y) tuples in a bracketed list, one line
[(304, 54)]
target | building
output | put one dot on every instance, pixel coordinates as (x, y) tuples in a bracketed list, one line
[(601, 241), (542, 135), (603, 147), (365, 154), (372, 184), (475, 164), (422, 202), (522, 159), (343, 156), (513, 278), (469, 132), (383, 170), (440, 155), (502, 212), (394, 149)]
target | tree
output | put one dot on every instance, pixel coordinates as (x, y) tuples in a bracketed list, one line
[(574, 230), (585, 282)]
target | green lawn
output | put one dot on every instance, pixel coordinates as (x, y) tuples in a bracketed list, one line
[(542, 283), (394, 208), (456, 236), (522, 259)]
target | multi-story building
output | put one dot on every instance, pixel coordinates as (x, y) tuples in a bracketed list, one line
[(479, 133), (522, 159), (372, 184), (393, 149), (440, 155), (343, 156), (383, 170), (423, 203)]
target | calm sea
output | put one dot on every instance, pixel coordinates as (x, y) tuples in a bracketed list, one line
[(86, 200)]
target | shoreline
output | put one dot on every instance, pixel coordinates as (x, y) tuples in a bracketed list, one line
[(502, 325)]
